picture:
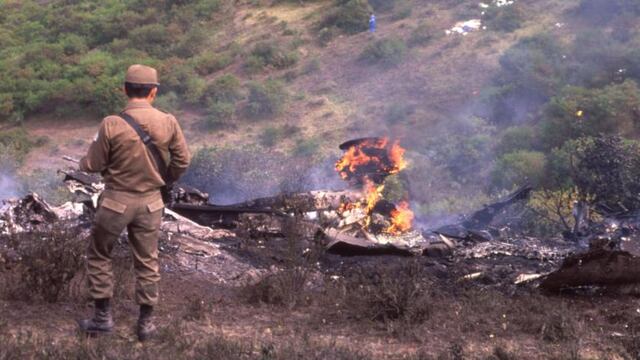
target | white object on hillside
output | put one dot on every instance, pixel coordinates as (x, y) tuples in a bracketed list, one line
[(465, 27)]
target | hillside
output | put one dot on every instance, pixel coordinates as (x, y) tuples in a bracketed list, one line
[(332, 94)]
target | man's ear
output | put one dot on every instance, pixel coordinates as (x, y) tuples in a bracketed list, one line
[(152, 94)]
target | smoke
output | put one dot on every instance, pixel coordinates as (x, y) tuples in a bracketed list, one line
[(240, 174), (8, 186)]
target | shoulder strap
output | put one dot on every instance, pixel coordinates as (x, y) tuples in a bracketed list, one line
[(153, 149)]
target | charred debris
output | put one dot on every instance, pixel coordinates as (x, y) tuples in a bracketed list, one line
[(360, 222)]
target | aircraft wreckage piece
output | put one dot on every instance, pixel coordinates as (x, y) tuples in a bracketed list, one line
[(347, 242), (599, 267)]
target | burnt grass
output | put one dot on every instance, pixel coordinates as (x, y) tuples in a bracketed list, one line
[(317, 306)]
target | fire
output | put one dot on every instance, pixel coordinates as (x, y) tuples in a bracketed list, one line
[(372, 158), (368, 162), (401, 219)]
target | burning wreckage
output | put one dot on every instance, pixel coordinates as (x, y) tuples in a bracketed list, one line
[(362, 221)]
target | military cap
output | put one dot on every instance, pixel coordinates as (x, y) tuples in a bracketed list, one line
[(141, 74)]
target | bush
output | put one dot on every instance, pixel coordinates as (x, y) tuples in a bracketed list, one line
[(272, 54), (219, 114), (516, 138), (233, 175), (225, 88), (388, 52), (351, 16), (266, 99), (272, 135), (531, 73), (15, 144), (383, 5), (519, 167), (307, 147), (254, 64), (422, 35), (606, 171), (325, 35), (49, 260), (168, 102), (210, 62), (579, 112), (504, 18), (312, 66), (396, 297)]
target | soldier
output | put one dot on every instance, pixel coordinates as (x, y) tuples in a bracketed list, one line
[(132, 197)]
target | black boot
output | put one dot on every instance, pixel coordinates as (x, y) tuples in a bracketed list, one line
[(145, 328), (102, 322)]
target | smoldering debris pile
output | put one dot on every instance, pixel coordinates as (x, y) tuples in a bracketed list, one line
[(360, 221)]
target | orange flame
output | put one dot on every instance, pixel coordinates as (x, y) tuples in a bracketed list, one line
[(401, 219), (369, 162), (387, 159)]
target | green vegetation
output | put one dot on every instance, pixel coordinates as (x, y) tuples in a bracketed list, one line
[(266, 99), (50, 258), (270, 54), (272, 135), (388, 52), (15, 144), (519, 167), (504, 18), (350, 16), (54, 54), (422, 35)]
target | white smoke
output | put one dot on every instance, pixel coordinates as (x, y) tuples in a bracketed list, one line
[(8, 186)]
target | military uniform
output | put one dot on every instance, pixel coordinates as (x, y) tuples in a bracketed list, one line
[(132, 197)]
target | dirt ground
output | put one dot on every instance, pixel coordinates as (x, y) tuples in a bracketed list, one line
[(326, 307)]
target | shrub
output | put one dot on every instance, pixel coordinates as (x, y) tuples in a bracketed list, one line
[(606, 170), (246, 172), (219, 114), (398, 297), (532, 71), (49, 260), (325, 35), (388, 52), (422, 35), (402, 11), (272, 54), (307, 147), (225, 88), (383, 5), (254, 64), (504, 18), (152, 38), (168, 102), (351, 16), (579, 112), (550, 212), (516, 138), (312, 66), (15, 144), (272, 134), (211, 62), (518, 168), (284, 288), (266, 99)]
